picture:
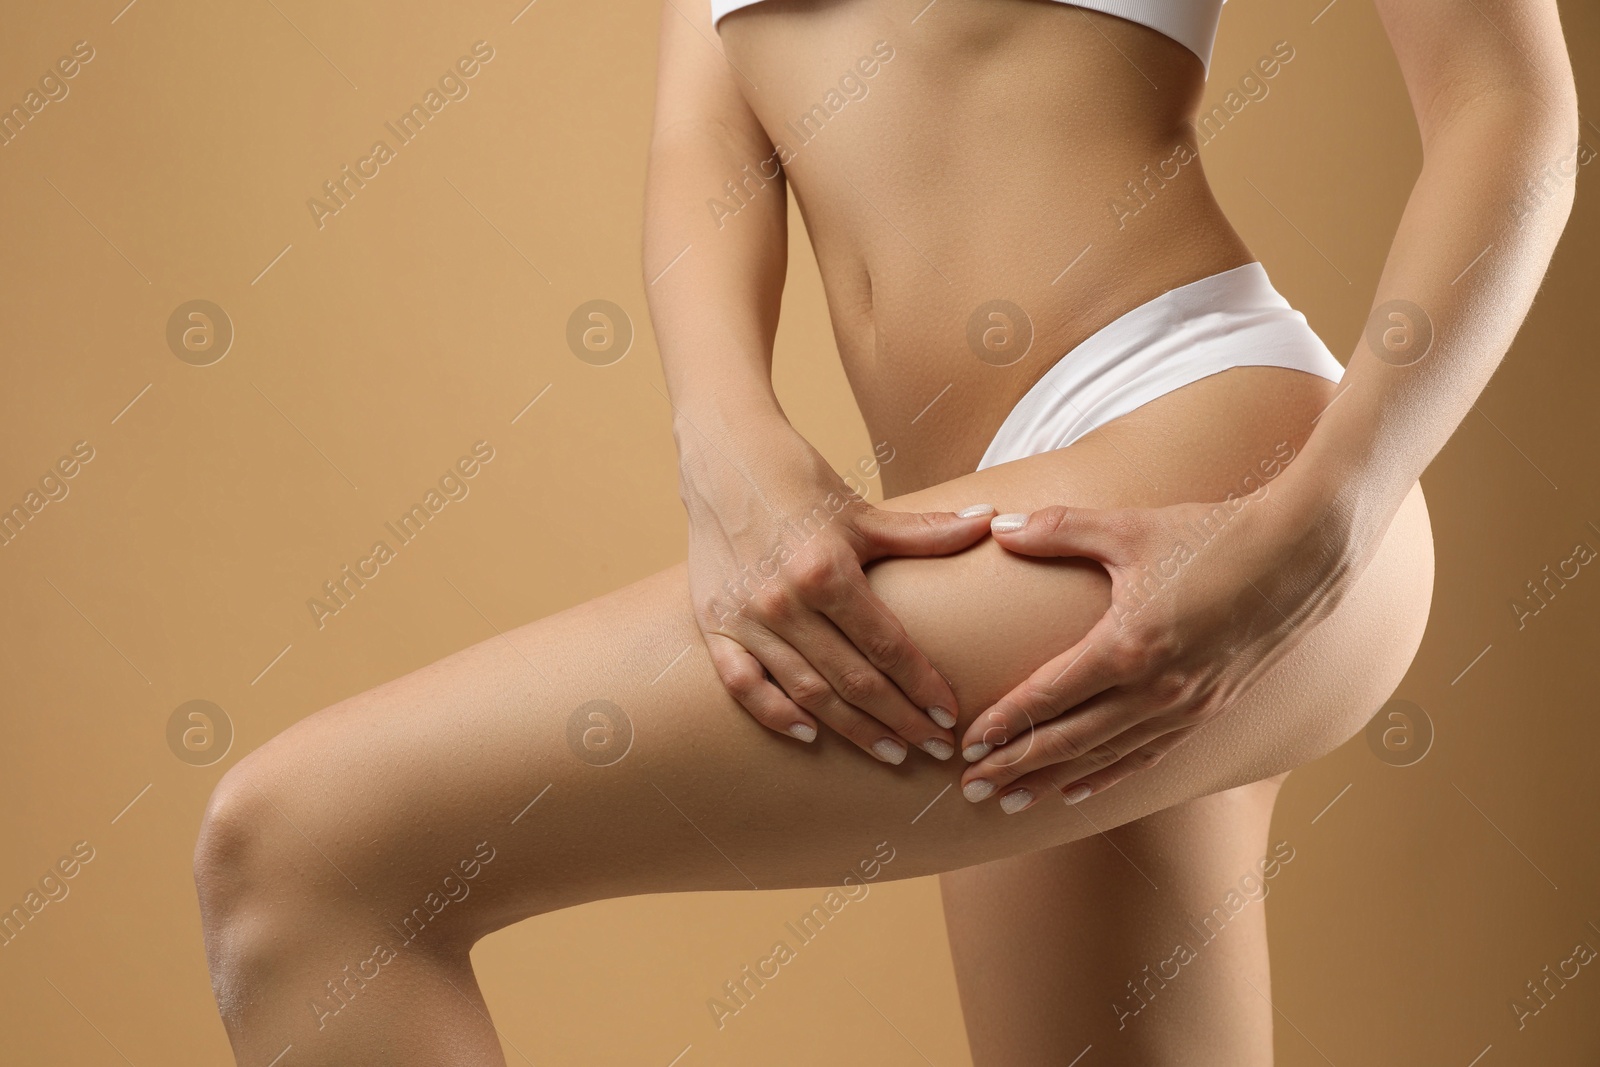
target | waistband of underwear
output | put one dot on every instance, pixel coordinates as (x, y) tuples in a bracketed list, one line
[(1231, 319)]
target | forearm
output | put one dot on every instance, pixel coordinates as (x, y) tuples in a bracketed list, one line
[(714, 280), (1472, 247), (715, 242)]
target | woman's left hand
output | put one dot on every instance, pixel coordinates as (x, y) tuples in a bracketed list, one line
[(1204, 598)]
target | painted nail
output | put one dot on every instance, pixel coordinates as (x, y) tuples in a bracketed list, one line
[(976, 751), (889, 750), (1009, 523), (943, 716), (978, 789), (975, 510), (1077, 793), (938, 748), (803, 731), (1015, 801)]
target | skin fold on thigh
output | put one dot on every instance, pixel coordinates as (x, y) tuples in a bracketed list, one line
[(364, 806)]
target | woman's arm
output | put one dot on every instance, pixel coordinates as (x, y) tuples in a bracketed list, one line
[(776, 538), (1492, 90), (714, 281)]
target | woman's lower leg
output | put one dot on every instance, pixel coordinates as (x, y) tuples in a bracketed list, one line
[(1146, 943)]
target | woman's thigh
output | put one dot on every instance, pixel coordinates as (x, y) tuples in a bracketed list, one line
[(596, 754), (1147, 942)]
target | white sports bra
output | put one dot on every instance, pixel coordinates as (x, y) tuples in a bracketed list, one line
[(1192, 23)]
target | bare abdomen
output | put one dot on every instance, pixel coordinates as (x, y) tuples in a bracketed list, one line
[(1011, 158)]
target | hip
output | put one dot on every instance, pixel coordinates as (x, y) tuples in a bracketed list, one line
[(1219, 354)]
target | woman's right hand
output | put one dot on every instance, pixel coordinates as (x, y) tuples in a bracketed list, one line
[(777, 541)]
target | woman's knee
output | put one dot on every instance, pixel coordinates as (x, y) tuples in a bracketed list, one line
[(284, 856), (234, 854), (365, 818), (241, 867)]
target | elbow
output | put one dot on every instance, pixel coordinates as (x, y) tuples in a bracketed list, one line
[(1544, 108), (1558, 116), (1526, 129), (1525, 100), (1555, 148)]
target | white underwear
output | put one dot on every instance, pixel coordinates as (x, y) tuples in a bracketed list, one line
[(1232, 319)]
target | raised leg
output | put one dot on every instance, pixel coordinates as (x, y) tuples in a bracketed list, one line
[(346, 867)]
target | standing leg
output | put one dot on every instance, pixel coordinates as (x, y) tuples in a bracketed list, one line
[(1147, 942)]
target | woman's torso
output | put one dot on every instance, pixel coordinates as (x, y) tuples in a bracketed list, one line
[(1016, 151)]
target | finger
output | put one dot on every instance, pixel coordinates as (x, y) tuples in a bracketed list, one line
[(1073, 789), (853, 680), (745, 679), (1088, 737), (810, 689), (1059, 531), (1095, 664), (920, 533), (869, 625)]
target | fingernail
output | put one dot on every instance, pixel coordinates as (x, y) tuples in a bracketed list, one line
[(943, 716), (1015, 801), (1009, 523), (978, 789), (975, 510), (976, 751), (938, 748), (803, 731), (1077, 793), (889, 750)]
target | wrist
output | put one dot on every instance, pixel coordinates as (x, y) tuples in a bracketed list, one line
[(727, 455), (1342, 500), (728, 419)]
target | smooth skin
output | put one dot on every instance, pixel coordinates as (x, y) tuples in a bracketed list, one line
[(319, 846), (1486, 81), (347, 822), (1084, 109), (976, 155), (1121, 984)]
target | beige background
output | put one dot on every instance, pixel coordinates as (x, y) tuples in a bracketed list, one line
[(428, 313)]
